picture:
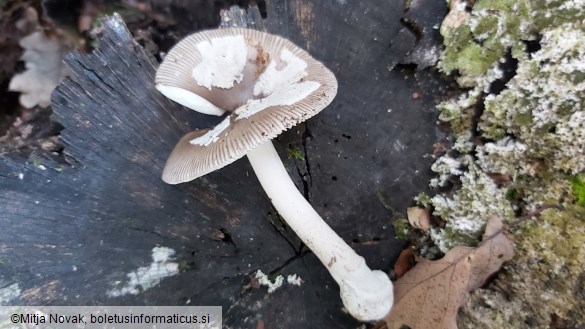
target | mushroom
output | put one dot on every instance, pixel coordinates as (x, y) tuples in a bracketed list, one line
[(267, 85)]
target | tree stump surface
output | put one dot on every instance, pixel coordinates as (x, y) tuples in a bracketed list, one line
[(72, 233)]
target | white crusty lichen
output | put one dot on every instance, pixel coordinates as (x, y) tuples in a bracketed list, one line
[(456, 111), (463, 142), (529, 139), (481, 38), (445, 167), (502, 156), (521, 147), (543, 106), (466, 210), (149, 276), (9, 293), (263, 280), (294, 279), (533, 131), (278, 281), (570, 155)]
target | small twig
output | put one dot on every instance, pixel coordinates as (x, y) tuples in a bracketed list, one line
[(535, 213)]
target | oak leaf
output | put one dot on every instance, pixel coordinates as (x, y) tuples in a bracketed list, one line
[(405, 261), (429, 295), (419, 217), (43, 57)]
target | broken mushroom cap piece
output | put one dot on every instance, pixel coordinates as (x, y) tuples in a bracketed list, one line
[(268, 85), (265, 82)]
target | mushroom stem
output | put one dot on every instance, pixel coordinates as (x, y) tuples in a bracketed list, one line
[(366, 294)]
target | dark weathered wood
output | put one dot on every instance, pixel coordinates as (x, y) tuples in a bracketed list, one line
[(368, 153), (238, 17), (423, 20), (366, 156), (69, 232), (68, 240)]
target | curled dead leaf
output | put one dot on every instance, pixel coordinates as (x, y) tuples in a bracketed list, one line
[(404, 263), (43, 57), (429, 295), (419, 217)]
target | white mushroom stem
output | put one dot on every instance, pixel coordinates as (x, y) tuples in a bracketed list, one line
[(366, 294)]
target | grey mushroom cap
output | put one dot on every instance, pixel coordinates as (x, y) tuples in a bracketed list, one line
[(266, 83)]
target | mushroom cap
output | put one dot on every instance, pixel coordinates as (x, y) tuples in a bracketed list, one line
[(267, 83)]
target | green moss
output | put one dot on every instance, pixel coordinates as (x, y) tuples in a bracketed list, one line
[(296, 153), (486, 26), (473, 48), (423, 199), (184, 265), (462, 237), (578, 187), (543, 282), (511, 194), (472, 60), (557, 236), (494, 114), (542, 107), (459, 112), (402, 228), (523, 119), (494, 26), (526, 151), (577, 77)]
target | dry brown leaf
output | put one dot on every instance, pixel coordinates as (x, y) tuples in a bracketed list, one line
[(419, 217), (404, 262), (429, 295), (43, 58)]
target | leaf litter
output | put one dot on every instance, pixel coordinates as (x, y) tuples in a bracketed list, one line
[(430, 294), (43, 57)]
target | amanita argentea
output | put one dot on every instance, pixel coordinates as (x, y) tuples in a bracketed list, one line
[(268, 85)]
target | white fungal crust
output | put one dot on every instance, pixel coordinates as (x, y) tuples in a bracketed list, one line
[(274, 79), (263, 280), (145, 278), (222, 62), (294, 279)]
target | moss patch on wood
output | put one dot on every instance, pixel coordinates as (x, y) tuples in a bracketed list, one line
[(519, 153)]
